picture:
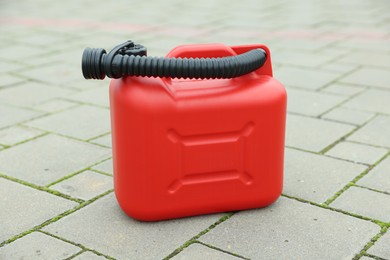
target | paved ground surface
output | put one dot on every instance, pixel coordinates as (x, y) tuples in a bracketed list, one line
[(56, 196)]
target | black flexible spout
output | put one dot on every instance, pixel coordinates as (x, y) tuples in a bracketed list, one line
[(129, 59)]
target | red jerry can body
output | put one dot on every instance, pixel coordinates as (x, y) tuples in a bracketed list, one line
[(185, 147)]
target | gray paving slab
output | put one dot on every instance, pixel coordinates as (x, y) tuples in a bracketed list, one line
[(343, 89), (48, 158), (292, 230), (379, 177), (307, 78), (364, 44), (346, 115), (311, 103), (364, 202), (12, 115), (198, 251), (37, 246), (357, 152), (85, 185), (8, 80), (313, 134), (105, 166), (105, 140), (18, 52), (381, 247), (316, 177), (89, 256), (23, 207), (301, 58), (55, 105), (366, 258), (375, 132), (372, 100), (83, 122), (96, 96), (37, 93), (337, 67), (367, 58), (102, 226), (16, 134), (369, 77), (54, 74)]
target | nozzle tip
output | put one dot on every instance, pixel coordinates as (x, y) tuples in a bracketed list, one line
[(92, 63)]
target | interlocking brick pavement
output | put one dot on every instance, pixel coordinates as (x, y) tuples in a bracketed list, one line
[(56, 192)]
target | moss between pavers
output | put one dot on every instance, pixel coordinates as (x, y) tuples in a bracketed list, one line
[(221, 250), (372, 242), (194, 239), (54, 219), (84, 249), (356, 179)]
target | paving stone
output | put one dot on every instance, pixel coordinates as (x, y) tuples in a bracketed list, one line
[(16, 134), (366, 258), (9, 80), (300, 58), (364, 202), (89, 256), (304, 78), (55, 74), (85, 185), (55, 105), (316, 177), (38, 246), (18, 52), (96, 96), (37, 93), (105, 166), (372, 101), (375, 132), (83, 122), (364, 44), (342, 89), (337, 67), (13, 115), (292, 230), (103, 140), (367, 59), (369, 77), (49, 158), (82, 84), (378, 178), (198, 251), (313, 134), (351, 116), (357, 152), (310, 103), (381, 247), (102, 226), (300, 44), (23, 207)]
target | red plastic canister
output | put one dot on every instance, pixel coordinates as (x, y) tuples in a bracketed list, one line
[(185, 147)]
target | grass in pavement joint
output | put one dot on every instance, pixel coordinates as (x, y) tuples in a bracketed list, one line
[(375, 221), (84, 249), (76, 173), (56, 218), (34, 186), (356, 179), (194, 239), (219, 249), (371, 242), (326, 149)]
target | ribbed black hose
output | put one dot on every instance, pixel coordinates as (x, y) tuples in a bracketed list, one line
[(96, 65)]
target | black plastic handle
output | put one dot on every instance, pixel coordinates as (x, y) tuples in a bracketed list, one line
[(129, 59)]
